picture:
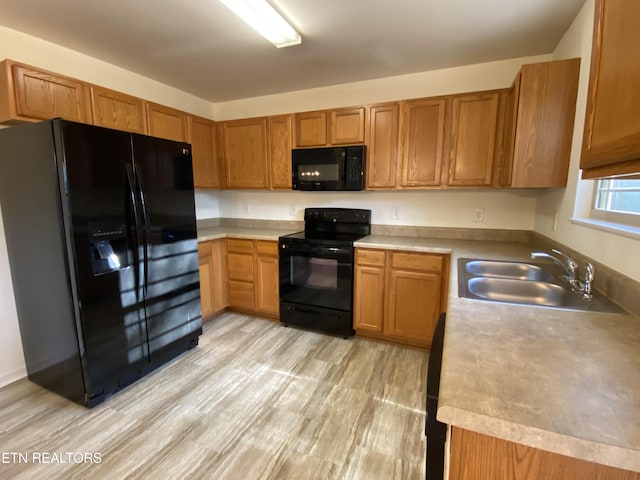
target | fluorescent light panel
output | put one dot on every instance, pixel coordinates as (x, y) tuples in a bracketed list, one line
[(265, 20)]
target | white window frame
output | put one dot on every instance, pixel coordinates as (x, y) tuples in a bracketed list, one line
[(611, 216)]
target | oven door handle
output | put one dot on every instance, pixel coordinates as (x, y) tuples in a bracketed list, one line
[(314, 250)]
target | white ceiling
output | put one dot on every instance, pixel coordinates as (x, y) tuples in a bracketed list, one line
[(201, 47)]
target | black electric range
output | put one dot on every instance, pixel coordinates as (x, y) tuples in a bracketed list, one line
[(316, 269)]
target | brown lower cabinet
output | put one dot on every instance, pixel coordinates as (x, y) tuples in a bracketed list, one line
[(253, 276), (399, 295), (476, 456), (213, 277)]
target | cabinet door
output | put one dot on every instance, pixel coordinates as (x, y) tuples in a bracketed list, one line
[(382, 146), (280, 144), (544, 124), (347, 126), (267, 279), (311, 129), (472, 139), (506, 169), (41, 95), (422, 146), (206, 282), (118, 111), (218, 276), (165, 122), (245, 153), (612, 126), (368, 300), (203, 148), (413, 299)]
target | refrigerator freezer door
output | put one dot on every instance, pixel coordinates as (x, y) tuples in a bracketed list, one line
[(172, 295), (107, 262)]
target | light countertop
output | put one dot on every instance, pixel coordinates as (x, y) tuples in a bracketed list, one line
[(562, 381)]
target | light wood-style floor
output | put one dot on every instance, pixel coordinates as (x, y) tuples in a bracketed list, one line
[(255, 400)]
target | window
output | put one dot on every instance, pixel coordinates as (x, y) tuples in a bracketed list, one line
[(617, 200)]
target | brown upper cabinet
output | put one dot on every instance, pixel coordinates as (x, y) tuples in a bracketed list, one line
[(382, 145), (28, 94), (203, 152), (165, 122), (611, 142), (472, 139), (279, 154), (243, 150), (539, 130), (117, 110), (422, 142), (342, 126)]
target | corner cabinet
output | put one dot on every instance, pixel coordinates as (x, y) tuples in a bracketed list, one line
[(28, 94), (611, 141), (539, 129), (243, 151), (398, 295), (213, 277)]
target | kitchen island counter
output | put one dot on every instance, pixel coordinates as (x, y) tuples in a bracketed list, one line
[(562, 381)]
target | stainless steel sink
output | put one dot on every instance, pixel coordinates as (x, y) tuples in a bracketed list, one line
[(516, 270), (524, 284), (522, 291)]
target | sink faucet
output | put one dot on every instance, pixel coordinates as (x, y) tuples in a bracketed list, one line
[(569, 265)]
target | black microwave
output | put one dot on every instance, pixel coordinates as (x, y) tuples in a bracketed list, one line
[(328, 168)]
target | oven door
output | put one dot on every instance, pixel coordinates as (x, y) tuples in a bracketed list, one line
[(318, 275)]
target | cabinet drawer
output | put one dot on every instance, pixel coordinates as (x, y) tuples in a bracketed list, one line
[(240, 246), (370, 257), (241, 294), (417, 261), (267, 248), (240, 266)]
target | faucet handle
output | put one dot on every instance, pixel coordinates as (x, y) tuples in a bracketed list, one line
[(589, 273), (571, 267)]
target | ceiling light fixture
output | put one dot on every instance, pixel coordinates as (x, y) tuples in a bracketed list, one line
[(265, 20)]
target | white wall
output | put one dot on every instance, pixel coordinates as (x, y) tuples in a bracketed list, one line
[(610, 249), (502, 210), (484, 76)]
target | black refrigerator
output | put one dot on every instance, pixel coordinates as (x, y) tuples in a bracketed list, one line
[(101, 235)]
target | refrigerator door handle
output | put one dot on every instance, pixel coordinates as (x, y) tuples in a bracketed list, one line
[(145, 219), (136, 217)]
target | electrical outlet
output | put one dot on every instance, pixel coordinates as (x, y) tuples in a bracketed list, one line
[(555, 222), (395, 213), (245, 209), (292, 210), (479, 215)]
